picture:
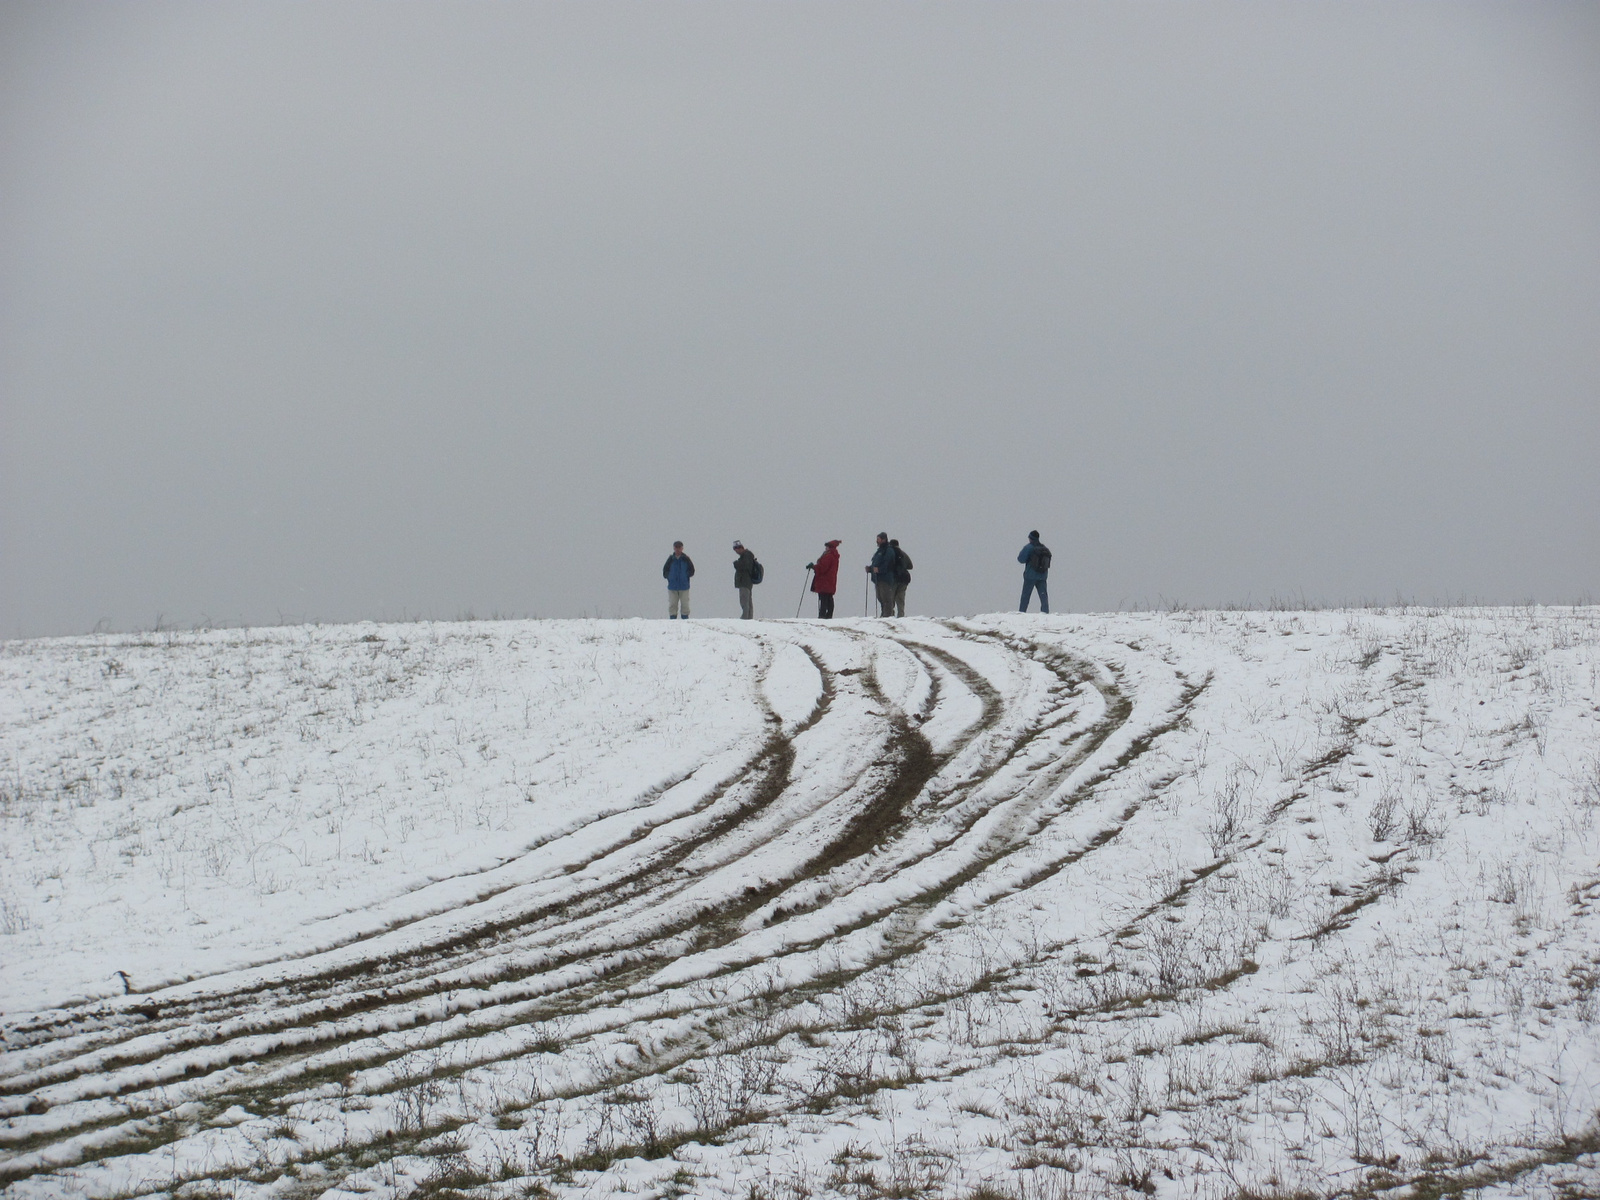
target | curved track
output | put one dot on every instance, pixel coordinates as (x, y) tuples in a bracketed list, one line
[(1023, 875), (836, 842)]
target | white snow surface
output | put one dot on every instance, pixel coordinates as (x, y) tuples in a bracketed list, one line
[(1188, 904)]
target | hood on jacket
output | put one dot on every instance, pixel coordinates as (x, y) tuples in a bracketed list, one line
[(833, 545)]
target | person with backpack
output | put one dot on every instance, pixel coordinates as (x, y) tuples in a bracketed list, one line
[(883, 570), (902, 577), (825, 578), (676, 571), (1035, 560), (747, 572)]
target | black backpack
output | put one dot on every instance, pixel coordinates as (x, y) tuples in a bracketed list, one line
[(757, 571), (1041, 558)]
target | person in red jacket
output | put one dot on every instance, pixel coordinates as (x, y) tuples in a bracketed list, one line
[(825, 580)]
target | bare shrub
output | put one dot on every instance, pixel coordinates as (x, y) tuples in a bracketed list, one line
[(1381, 820), (1169, 949), (14, 916), (1423, 822), (1514, 886), (1589, 784), (415, 1104), (1227, 816), (641, 1120)]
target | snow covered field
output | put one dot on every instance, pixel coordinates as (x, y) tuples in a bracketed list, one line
[(1191, 904)]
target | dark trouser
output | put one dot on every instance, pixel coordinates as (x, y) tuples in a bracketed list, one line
[(746, 608), (1027, 594), (824, 605), (885, 598), (900, 599)]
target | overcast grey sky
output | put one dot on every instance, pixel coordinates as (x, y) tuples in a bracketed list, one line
[(366, 310)]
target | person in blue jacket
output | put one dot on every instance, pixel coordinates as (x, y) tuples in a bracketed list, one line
[(1035, 560), (676, 571), (885, 563)]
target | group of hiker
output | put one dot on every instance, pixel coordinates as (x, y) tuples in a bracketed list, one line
[(889, 573)]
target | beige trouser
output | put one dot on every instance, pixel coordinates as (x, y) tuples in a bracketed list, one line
[(677, 603), (900, 599)]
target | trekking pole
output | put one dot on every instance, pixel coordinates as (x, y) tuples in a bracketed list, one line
[(866, 585), (801, 605)]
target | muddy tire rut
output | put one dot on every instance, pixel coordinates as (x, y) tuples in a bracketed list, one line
[(110, 1078)]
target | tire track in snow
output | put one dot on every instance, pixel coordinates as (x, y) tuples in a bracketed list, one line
[(268, 1020), (911, 766), (838, 979)]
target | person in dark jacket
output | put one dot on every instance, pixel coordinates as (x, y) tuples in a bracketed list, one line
[(882, 569), (902, 577), (677, 571), (1033, 574), (744, 579), (825, 578)]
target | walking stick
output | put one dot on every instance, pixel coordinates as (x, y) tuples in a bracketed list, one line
[(866, 585), (802, 603)]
